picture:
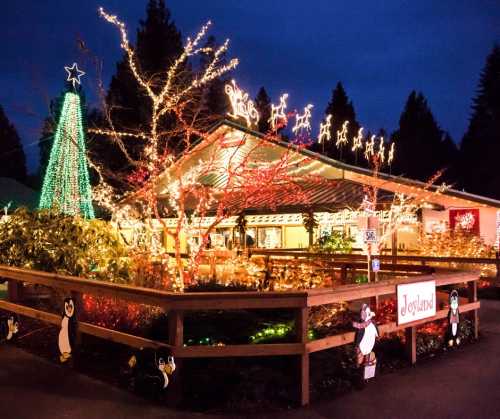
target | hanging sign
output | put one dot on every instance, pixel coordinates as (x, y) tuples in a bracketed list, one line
[(416, 301), (375, 265), (465, 219)]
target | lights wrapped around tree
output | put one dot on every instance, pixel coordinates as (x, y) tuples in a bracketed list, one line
[(66, 185)]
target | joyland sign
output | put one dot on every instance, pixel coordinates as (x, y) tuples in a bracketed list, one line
[(416, 301)]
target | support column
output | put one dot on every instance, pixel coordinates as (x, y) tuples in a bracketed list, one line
[(301, 323), (14, 291), (472, 296), (176, 339), (411, 344)]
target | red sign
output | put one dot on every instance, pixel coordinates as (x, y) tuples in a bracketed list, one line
[(466, 219)]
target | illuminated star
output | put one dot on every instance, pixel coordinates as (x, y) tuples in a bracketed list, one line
[(74, 74)]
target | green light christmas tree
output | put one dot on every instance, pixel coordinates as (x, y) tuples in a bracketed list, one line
[(66, 185)]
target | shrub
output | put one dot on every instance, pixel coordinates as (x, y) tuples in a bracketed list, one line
[(50, 241), (335, 241)]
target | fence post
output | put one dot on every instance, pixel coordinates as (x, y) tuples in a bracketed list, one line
[(472, 296), (301, 323), (343, 274), (14, 291), (411, 344), (497, 254), (176, 339), (78, 301)]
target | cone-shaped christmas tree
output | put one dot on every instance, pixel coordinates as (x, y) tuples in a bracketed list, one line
[(66, 185)]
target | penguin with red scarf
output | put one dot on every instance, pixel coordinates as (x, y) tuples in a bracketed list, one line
[(366, 335)]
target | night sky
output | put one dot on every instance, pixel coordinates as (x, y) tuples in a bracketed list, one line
[(379, 50)]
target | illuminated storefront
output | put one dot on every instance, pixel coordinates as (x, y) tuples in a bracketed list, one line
[(336, 208)]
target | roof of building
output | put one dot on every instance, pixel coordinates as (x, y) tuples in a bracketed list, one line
[(18, 194), (364, 173)]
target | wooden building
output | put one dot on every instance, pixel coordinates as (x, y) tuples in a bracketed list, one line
[(336, 204)]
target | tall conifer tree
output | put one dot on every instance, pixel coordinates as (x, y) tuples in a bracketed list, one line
[(341, 109), (263, 106), (12, 157), (480, 147), (419, 141)]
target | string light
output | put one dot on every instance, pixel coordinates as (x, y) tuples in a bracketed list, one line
[(357, 141), (381, 150), (324, 130), (241, 105), (303, 122), (66, 183), (391, 154), (370, 147), (278, 115), (74, 74), (342, 135)]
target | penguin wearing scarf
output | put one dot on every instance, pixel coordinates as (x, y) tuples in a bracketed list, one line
[(366, 336)]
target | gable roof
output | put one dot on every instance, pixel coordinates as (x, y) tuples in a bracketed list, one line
[(383, 180)]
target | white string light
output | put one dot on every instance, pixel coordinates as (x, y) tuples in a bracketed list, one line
[(278, 115), (391, 154), (342, 134), (303, 122), (381, 150), (324, 130), (357, 141), (241, 105), (370, 148)]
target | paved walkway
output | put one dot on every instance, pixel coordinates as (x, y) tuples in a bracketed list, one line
[(463, 384)]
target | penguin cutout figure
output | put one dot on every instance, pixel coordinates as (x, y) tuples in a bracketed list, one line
[(149, 371), (453, 320), (9, 327), (67, 334), (366, 335)]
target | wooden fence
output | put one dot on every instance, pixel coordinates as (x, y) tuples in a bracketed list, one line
[(177, 303)]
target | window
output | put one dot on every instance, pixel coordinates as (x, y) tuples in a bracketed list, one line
[(269, 237)]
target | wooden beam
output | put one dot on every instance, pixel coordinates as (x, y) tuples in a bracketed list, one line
[(270, 349), (472, 297), (164, 299), (90, 329), (176, 340), (411, 344), (361, 291), (348, 337), (301, 329)]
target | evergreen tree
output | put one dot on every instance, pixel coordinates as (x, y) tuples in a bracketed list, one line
[(12, 157), (263, 106), (158, 44), (341, 109), (480, 145), (419, 141)]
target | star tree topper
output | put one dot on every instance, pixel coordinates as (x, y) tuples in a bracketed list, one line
[(74, 74)]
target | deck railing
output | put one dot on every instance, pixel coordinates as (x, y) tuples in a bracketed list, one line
[(176, 304)]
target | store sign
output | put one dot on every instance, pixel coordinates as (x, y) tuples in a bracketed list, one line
[(416, 301)]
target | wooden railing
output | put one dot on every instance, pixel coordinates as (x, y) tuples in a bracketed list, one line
[(388, 262), (177, 303)]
